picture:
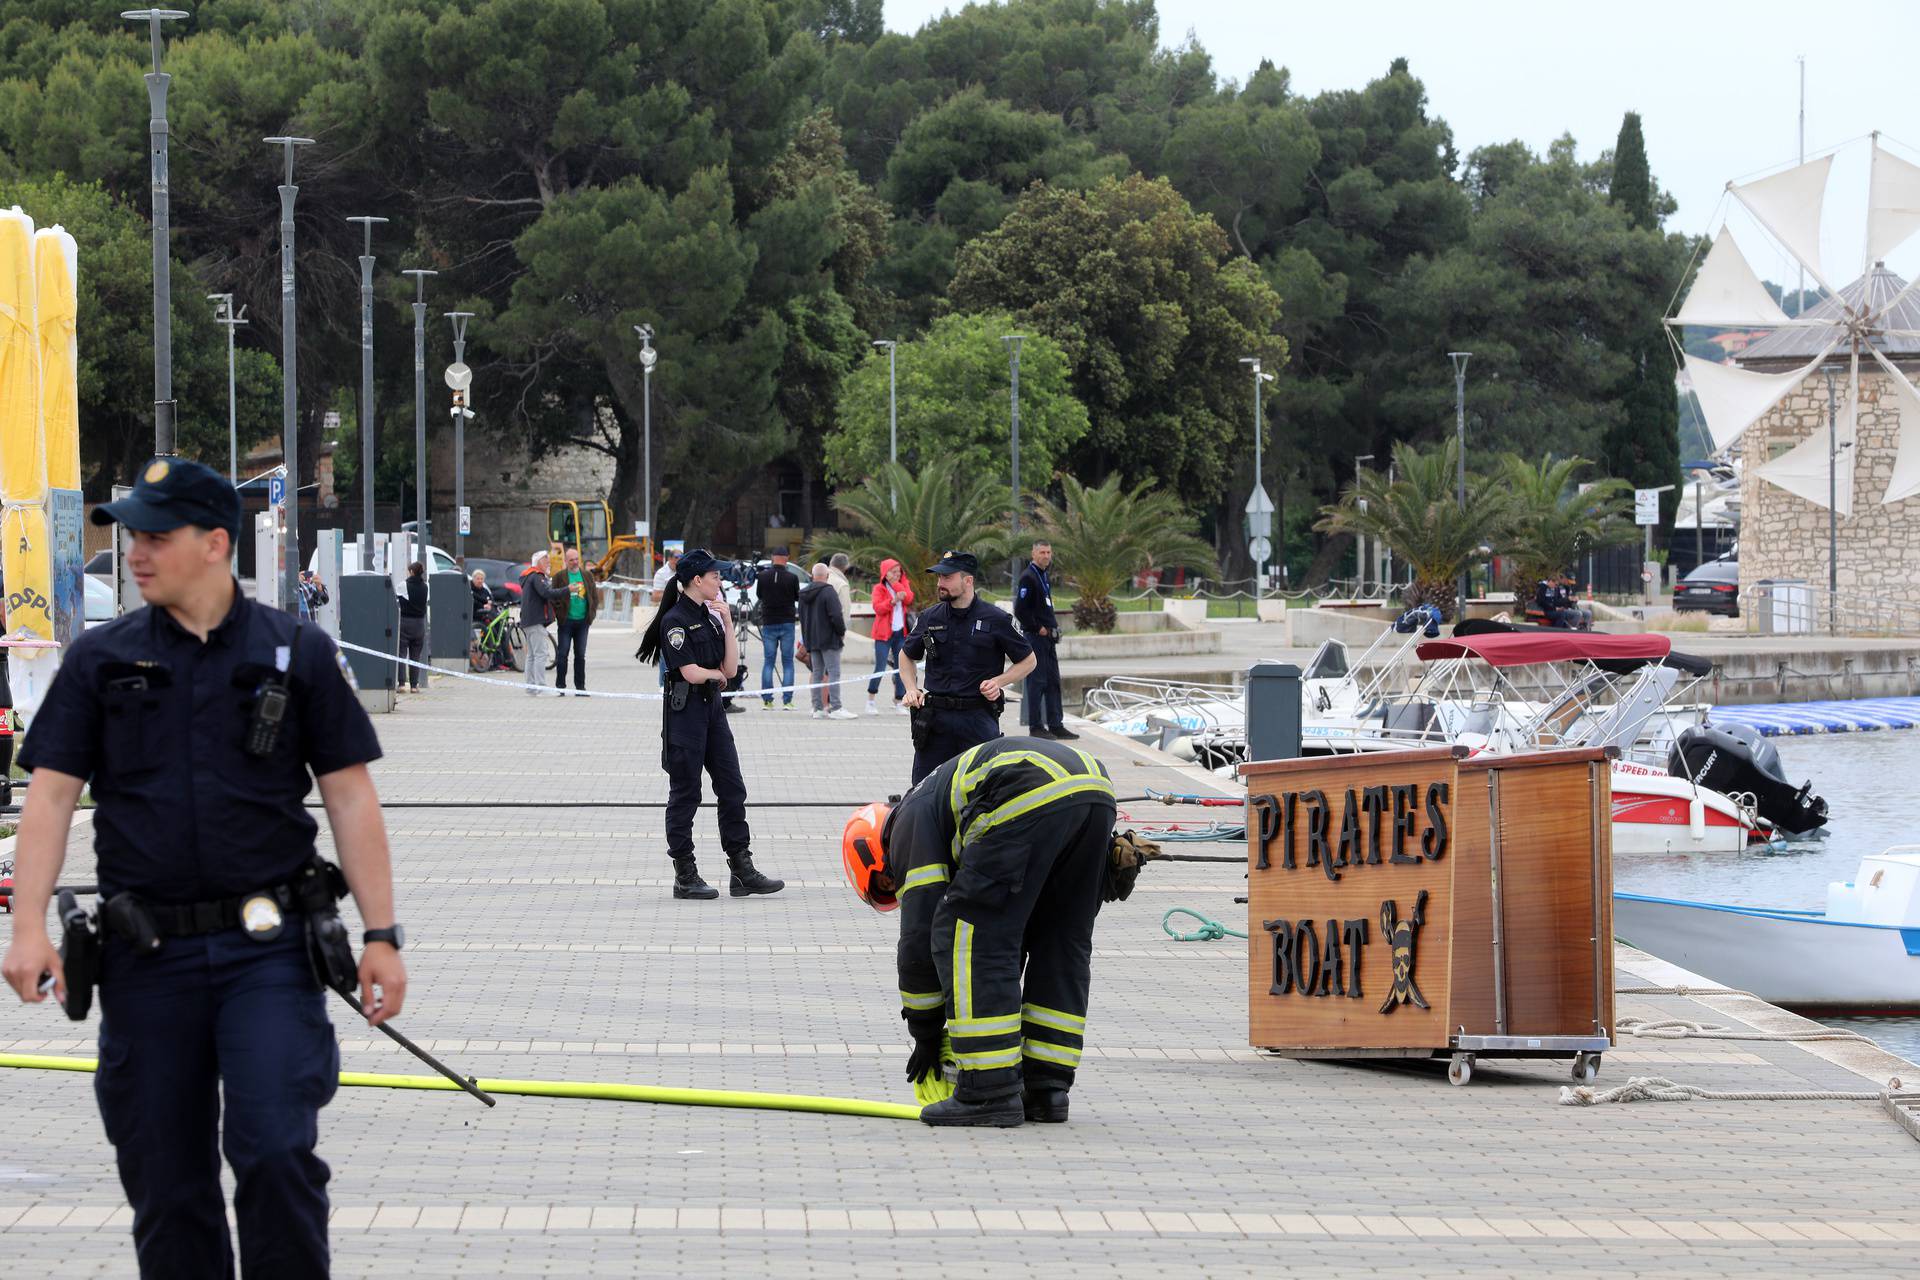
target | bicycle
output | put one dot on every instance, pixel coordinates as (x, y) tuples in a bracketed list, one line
[(499, 635)]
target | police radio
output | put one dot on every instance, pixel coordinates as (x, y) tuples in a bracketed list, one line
[(269, 713)]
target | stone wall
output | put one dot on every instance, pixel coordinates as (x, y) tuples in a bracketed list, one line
[(507, 491), (1782, 535)]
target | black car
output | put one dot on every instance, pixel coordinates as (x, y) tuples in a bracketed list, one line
[(1712, 588)]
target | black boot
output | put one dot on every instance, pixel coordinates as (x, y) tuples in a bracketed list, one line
[(998, 1113), (687, 882), (747, 879), (1045, 1104)]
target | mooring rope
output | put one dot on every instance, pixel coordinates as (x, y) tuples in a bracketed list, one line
[(1681, 1028), (1661, 1089)]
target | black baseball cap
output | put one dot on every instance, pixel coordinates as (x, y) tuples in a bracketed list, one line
[(173, 492), (698, 561), (956, 562)]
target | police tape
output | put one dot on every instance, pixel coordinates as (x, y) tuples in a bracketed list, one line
[(591, 1090), (541, 687)]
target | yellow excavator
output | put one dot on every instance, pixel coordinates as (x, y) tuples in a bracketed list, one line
[(587, 523)]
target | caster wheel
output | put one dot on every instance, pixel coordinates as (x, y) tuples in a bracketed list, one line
[(1586, 1066), (1460, 1070)]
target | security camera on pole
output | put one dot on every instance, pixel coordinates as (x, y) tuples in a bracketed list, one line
[(1259, 505), (289, 384), (157, 80), (366, 389), (893, 412), (647, 358), (420, 537), (224, 314), (459, 380)]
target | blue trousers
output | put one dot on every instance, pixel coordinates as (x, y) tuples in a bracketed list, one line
[(200, 1022), (776, 637), (886, 654), (953, 732), (1043, 709)]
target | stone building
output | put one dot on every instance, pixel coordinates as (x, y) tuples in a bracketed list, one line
[(1783, 456)]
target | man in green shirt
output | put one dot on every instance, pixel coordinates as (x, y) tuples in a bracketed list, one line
[(575, 617)]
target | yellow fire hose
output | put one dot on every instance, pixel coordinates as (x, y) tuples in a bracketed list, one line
[(565, 1089)]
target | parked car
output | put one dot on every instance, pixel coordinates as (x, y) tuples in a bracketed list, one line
[(438, 561), (100, 563), (99, 601), (503, 576), (1714, 587)]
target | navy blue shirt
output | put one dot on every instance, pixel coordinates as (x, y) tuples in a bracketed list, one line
[(1033, 605), (962, 647), (157, 721)]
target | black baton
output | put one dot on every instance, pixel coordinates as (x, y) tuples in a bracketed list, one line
[(467, 1084)]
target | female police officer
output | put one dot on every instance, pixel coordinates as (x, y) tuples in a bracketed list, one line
[(694, 633), (197, 719)]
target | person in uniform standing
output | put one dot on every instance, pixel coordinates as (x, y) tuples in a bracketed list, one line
[(693, 630), (966, 643), (201, 721), (1033, 610)]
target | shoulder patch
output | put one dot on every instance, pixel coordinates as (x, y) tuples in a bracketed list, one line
[(677, 637), (346, 671)]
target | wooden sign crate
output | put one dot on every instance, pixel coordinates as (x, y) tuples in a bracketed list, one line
[(1418, 903)]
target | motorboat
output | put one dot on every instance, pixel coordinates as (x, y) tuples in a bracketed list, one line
[(1737, 760), (1860, 955)]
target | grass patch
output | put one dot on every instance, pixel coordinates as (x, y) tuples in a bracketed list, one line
[(1681, 623)]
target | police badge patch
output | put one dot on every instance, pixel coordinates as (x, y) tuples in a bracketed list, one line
[(677, 637), (346, 672)]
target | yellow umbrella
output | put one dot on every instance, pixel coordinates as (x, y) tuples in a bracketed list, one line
[(55, 270), (23, 460)]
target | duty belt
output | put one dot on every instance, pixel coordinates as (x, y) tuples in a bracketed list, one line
[(960, 702), (192, 919)]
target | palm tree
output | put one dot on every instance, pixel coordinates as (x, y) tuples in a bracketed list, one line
[(898, 515), (1104, 535), (1419, 515), (1552, 523)]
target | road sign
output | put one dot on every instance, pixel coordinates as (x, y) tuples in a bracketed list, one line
[(466, 521), (1646, 506), (1259, 512), (276, 490), (1261, 550)]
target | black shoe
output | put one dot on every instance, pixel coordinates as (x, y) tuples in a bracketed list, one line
[(747, 880), (687, 882), (734, 708), (1038, 733), (996, 1113), (1046, 1106), (1065, 735)]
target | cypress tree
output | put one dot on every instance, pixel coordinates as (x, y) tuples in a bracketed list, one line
[(1645, 446), (1632, 185)]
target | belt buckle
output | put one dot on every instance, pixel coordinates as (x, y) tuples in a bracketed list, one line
[(261, 918)]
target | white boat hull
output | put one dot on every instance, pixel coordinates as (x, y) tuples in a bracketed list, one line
[(1799, 959)]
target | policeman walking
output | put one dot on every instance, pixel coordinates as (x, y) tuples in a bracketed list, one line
[(966, 642), (1033, 610), (998, 861), (200, 721), (693, 634)]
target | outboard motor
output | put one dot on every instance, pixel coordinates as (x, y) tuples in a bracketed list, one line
[(1736, 760)]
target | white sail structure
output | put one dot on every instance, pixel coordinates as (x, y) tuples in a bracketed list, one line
[(1893, 205), (1804, 469), (1727, 294), (1905, 481), (1788, 205), (1733, 399)]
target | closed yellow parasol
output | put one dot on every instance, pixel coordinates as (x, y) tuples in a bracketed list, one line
[(55, 270), (23, 462)]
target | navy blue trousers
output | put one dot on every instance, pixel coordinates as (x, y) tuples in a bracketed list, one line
[(953, 732), (202, 1021), (1043, 709), (693, 740)]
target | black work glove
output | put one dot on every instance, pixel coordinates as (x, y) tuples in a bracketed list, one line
[(925, 1059)]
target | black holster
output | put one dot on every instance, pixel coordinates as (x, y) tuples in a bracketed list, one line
[(679, 692), (79, 955), (318, 888), (920, 726)]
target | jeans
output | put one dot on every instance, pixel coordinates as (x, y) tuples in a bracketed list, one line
[(413, 642), (825, 664), (573, 636), (536, 637), (886, 653), (776, 637)]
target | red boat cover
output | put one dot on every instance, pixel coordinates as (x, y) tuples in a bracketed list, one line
[(1521, 648)]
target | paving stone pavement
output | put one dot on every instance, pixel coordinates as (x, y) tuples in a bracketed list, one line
[(544, 945)]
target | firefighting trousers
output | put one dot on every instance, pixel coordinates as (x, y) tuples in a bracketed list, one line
[(1024, 899)]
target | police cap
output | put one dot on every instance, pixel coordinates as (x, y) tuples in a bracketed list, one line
[(172, 492), (698, 561), (956, 562)]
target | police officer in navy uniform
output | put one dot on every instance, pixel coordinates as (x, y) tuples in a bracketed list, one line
[(1033, 610), (200, 722), (966, 643), (693, 633)]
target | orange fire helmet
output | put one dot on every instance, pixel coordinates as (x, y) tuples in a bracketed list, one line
[(866, 858)]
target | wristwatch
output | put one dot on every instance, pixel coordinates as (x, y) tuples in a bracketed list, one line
[(395, 937)]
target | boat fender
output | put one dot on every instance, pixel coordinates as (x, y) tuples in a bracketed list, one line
[(1697, 818)]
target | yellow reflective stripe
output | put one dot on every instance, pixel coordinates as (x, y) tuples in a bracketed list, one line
[(921, 877), (988, 1061), (1008, 1025), (1051, 1053), (1042, 1016), (1034, 799), (963, 781), (962, 969), (966, 780), (923, 999)]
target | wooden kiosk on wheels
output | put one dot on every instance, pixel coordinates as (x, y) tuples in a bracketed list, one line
[(1415, 904)]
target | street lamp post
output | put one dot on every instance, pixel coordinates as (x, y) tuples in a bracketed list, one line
[(648, 356), (163, 430), (366, 387), (289, 385), (1259, 505), (1460, 359), (1360, 545), (1833, 512), (420, 275), (459, 378), (893, 413), (224, 314), (1013, 341)]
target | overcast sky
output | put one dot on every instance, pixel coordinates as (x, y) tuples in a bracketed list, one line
[(1715, 84)]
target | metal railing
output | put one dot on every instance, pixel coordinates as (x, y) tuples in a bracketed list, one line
[(1803, 608)]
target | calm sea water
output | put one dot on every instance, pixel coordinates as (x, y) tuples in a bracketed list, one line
[(1870, 781)]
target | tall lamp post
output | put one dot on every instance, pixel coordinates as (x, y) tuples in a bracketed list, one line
[(459, 378), (1833, 512), (1259, 504), (420, 275), (648, 356), (224, 314), (893, 412), (289, 381), (163, 432), (1360, 544), (1013, 341), (366, 387), (1460, 359)]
